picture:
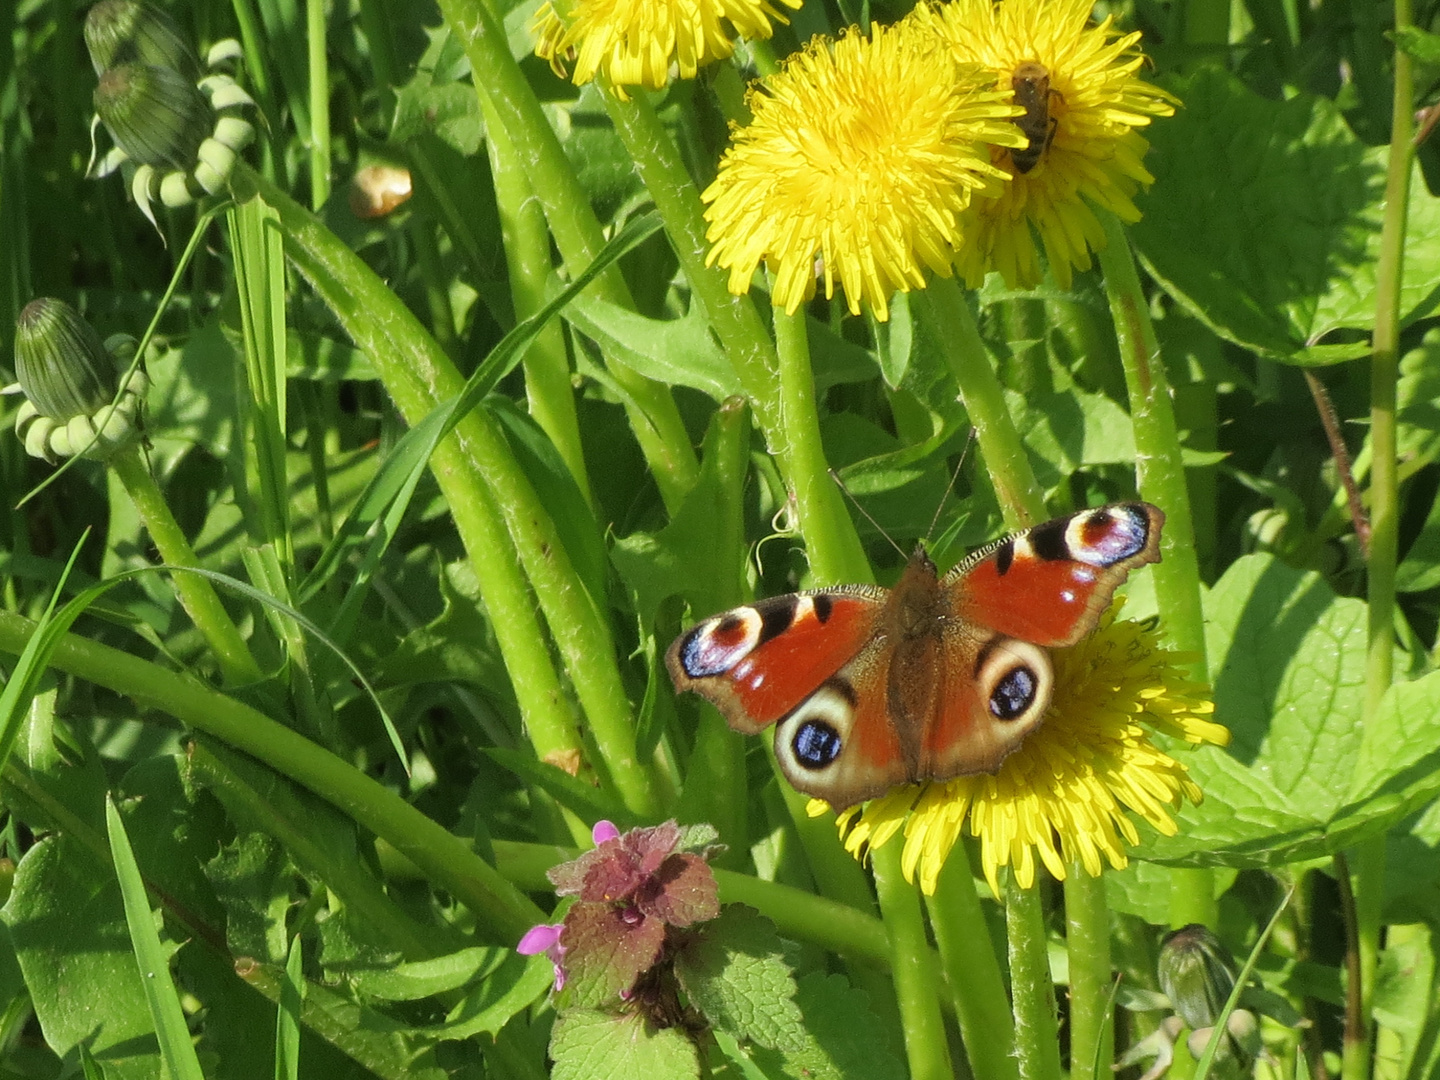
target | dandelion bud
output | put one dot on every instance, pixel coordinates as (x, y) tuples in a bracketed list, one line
[(1197, 973), (70, 379), (130, 32), (153, 114), (60, 361)]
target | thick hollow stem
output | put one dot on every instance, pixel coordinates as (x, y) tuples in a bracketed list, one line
[(913, 966), (476, 471), (1020, 497), (1037, 1035), (654, 417), (831, 543), (443, 857), (1087, 940), (972, 971), (1384, 513), (1160, 477), (196, 594)]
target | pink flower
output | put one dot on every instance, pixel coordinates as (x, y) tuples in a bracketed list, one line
[(603, 831), (545, 938)]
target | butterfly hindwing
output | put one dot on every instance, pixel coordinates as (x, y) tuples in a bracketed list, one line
[(1050, 584), (757, 663), (840, 743)]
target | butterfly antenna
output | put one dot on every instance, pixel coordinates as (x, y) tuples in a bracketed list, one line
[(879, 528), (950, 487)]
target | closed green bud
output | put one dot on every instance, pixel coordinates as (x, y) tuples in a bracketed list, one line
[(1197, 974), (153, 114), (130, 32), (60, 362)]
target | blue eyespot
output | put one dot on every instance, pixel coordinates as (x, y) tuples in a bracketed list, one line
[(1013, 694), (816, 744)]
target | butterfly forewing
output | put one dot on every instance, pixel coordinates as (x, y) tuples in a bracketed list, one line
[(1049, 585), (757, 663)]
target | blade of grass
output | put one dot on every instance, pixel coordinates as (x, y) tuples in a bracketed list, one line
[(1207, 1058), (287, 1016), (176, 1049), (395, 480), (259, 256), (21, 686)]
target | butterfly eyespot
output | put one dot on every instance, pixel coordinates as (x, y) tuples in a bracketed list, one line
[(1014, 693), (816, 744)]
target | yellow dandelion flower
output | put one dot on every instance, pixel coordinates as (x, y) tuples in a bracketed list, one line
[(862, 153), (1083, 103), (1066, 794), (635, 42)]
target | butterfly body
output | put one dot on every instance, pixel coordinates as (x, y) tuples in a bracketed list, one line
[(936, 678)]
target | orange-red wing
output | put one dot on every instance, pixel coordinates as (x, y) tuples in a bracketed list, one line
[(757, 663), (1050, 584)]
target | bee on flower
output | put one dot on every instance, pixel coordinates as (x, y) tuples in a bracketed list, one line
[(1082, 103)]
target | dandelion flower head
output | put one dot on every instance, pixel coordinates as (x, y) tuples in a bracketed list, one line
[(1066, 795), (862, 153), (1094, 102), (635, 42)]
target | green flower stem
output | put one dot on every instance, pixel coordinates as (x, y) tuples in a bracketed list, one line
[(1384, 515), (653, 415), (1087, 940), (437, 286), (914, 968), (418, 377), (196, 593), (319, 103), (527, 256), (1160, 476), (1037, 1036), (831, 542), (1016, 488), (443, 857), (734, 319), (972, 970)]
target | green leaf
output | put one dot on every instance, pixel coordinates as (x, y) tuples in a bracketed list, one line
[(67, 923), (1303, 780), (678, 352), (840, 1039), (1401, 747), (590, 1045), (1421, 44), (588, 801), (253, 881), (424, 978), (707, 531), (1264, 220), (558, 492), (176, 1048), (287, 1016), (735, 973), (1289, 663), (517, 984)]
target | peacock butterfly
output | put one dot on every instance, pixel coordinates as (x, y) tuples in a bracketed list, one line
[(938, 677)]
